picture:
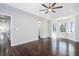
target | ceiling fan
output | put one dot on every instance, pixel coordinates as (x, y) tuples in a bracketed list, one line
[(50, 8)]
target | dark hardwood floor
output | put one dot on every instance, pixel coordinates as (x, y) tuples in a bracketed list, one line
[(47, 47)]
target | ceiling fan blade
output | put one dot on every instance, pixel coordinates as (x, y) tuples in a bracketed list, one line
[(58, 7), (49, 4), (46, 12), (44, 5), (53, 4), (53, 11), (43, 10)]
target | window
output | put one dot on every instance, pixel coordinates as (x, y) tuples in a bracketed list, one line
[(54, 27), (63, 27), (72, 26)]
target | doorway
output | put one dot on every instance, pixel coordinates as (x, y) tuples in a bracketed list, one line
[(4, 35)]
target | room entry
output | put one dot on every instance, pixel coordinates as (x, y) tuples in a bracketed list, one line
[(4, 35)]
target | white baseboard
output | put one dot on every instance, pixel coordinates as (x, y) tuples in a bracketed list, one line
[(15, 44), (37, 39)]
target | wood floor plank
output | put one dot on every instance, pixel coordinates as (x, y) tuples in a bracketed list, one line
[(47, 47)]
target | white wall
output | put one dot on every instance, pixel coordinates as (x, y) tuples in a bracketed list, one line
[(77, 28), (24, 26), (49, 28), (44, 29)]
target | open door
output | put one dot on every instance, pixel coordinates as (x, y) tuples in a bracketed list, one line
[(4, 35)]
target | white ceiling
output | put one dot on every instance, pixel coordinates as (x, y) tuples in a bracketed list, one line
[(68, 9)]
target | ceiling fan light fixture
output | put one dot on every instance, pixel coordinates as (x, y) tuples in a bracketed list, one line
[(49, 9)]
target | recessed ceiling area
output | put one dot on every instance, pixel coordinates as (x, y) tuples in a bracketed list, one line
[(68, 9)]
